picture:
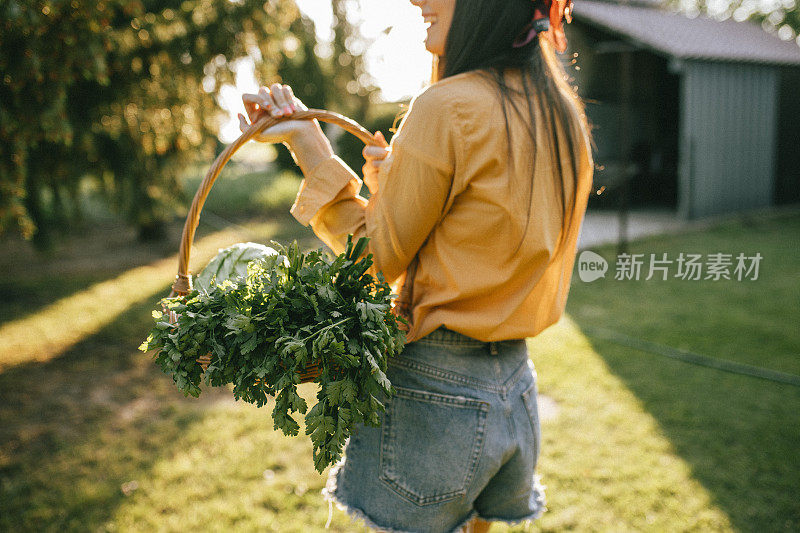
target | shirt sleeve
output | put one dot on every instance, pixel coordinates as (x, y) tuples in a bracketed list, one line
[(413, 186)]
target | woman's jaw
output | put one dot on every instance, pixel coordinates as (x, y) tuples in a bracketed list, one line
[(434, 38)]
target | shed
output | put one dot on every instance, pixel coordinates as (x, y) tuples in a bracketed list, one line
[(714, 113)]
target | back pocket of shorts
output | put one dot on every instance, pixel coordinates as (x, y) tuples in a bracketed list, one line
[(529, 397), (430, 444)]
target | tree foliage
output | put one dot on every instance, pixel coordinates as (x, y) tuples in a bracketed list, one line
[(775, 16), (125, 92), (339, 82)]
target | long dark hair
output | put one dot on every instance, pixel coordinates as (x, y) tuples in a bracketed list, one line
[(480, 38)]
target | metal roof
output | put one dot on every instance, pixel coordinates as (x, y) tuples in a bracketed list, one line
[(688, 38)]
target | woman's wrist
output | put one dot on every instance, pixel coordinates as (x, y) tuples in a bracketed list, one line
[(310, 147)]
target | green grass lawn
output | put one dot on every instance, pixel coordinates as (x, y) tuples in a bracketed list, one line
[(93, 437)]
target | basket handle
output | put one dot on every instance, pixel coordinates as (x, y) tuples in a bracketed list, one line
[(183, 281)]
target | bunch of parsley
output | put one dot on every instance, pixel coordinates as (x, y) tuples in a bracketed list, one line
[(262, 331)]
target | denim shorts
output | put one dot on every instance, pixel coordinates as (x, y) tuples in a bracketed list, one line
[(459, 439)]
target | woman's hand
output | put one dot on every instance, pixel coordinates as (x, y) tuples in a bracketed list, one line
[(374, 156), (279, 101), (304, 138)]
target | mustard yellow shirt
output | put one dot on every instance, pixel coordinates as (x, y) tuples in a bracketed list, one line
[(449, 196)]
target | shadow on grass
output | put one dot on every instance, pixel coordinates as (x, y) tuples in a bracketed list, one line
[(59, 420), (738, 434), (99, 439), (30, 281), (55, 328), (76, 428)]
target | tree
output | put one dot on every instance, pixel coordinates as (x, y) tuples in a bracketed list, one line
[(300, 68), (781, 17), (121, 91), (353, 86), (339, 82)]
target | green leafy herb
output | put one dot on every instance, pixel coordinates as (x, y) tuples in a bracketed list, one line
[(263, 330)]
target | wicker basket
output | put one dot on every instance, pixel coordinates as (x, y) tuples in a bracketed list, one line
[(183, 281)]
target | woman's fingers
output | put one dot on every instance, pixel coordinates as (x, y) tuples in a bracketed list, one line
[(276, 91), (253, 105), (267, 102), (243, 123), (370, 177), (279, 101), (300, 105), (244, 126), (283, 97), (371, 153), (289, 94), (379, 137), (250, 104)]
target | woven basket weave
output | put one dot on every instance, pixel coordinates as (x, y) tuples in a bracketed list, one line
[(183, 281)]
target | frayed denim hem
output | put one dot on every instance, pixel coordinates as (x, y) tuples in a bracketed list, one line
[(463, 524), (539, 506), (333, 494)]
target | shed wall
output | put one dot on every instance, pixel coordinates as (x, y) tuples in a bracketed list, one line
[(787, 173), (727, 137)]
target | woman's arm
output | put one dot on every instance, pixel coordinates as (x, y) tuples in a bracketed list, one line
[(310, 147), (413, 186)]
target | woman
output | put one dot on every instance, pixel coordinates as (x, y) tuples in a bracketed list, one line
[(476, 217)]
